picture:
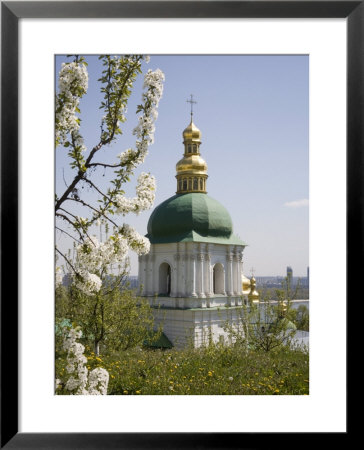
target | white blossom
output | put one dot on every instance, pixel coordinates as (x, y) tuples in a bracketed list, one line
[(145, 191), (72, 84), (98, 381), (88, 282), (59, 276), (92, 256), (144, 131), (81, 382), (140, 244)]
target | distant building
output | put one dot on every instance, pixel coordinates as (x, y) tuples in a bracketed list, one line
[(67, 279), (133, 282), (276, 282)]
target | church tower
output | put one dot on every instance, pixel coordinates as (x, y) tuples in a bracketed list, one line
[(193, 272)]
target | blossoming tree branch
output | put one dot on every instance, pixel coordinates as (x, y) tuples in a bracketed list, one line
[(94, 258)]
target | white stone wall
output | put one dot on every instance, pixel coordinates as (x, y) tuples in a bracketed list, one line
[(195, 327), (189, 312), (192, 266)]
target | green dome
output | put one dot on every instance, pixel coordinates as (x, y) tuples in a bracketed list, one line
[(191, 217), (282, 324)]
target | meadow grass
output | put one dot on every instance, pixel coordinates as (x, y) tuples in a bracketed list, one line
[(214, 370)]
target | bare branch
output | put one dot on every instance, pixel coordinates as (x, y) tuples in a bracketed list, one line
[(67, 260), (113, 166), (64, 180), (65, 232), (98, 190), (101, 213), (78, 220), (62, 216)]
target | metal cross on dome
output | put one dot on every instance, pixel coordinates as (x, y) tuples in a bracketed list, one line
[(252, 271), (192, 103)]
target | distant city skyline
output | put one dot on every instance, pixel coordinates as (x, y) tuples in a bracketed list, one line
[(253, 115)]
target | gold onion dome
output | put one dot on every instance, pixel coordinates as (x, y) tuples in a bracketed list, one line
[(283, 308), (245, 284), (191, 133), (192, 168), (193, 163), (254, 295)]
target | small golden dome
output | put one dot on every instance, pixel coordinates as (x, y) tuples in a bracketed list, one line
[(192, 164), (282, 308), (191, 133), (254, 294), (245, 284)]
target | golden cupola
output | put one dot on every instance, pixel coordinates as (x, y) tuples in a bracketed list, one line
[(245, 284), (192, 133), (191, 169), (254, 294)]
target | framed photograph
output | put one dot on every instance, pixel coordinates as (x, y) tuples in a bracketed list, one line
[(327, 37)]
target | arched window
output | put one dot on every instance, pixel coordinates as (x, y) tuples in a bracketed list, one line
[(180, 185), (194, 148), (218, 279), (184, 184), (195, 185), (189, 148), (201, 184), (165, 279)]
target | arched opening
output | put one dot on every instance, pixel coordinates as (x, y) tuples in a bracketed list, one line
[(218, 279), (165, 279)]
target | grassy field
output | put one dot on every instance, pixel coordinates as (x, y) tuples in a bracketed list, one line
[(215, 370)]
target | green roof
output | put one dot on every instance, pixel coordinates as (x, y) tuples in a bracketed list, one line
[(161, 342), (192, 217), (282, 324), (212, 308), (60, 324)]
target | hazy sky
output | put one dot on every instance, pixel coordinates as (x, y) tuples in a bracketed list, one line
[(253, 115)]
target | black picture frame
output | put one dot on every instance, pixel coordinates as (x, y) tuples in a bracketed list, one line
[(11, 12)]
